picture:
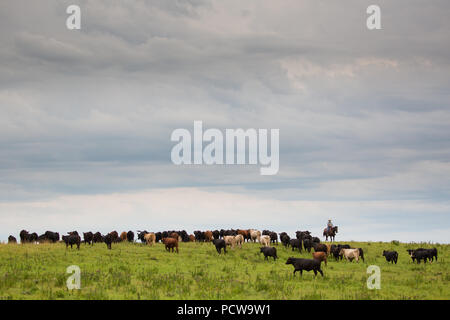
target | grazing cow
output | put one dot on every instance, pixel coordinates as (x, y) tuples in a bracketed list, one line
[(285, 239), (171, 243), (199, 236), (71, 240), (350, 254), (255, 235), (307, 244), (320, 247), (229, 240), (12, 239), (109, 239), (238, 240), (130, 236), (265, 240), (305, 264), (322, 256), (191, 238), (88, 237), (220, 243), (296, 243), (391, 256), (123, 236), (150, 238), (97, 237), (269, 252)]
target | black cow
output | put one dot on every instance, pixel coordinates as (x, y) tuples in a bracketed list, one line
[(108, 239), (273, 237), (269, 252), (315, 240), (12, 239), (71, 240), (130, 236), (423, 254), (305, 264), (285, 239), (391, 256), (336, 252), (296, 243), (97, 237), (88, 237), (307, 244), (220, 243), (216, 234)]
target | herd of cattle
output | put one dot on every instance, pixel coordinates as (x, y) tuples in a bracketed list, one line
[(222, 239)]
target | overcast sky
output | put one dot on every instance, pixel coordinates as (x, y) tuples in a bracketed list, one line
[(364, 116)]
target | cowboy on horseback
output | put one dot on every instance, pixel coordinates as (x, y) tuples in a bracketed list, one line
[(329, 226)]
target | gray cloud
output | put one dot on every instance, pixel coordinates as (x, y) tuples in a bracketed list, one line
[(363, 115)]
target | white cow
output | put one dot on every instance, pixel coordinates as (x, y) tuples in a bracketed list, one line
[(255, 235), (350, 254), (265, 241)]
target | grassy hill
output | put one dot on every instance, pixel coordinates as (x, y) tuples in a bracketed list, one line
[(136, 271)]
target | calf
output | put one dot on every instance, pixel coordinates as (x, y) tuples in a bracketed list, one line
[(321, 256), (391, 256), (220, 244), (171, 243), (269, 252), (305, 264), (238, 240)]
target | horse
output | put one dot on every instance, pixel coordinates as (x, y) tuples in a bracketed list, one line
[(331, 233)]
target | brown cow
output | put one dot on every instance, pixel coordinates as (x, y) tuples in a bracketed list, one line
[(321, 256), (208, 236), (191, 238), (170, 243), (174, 235), (123, 236), (244, 233), (328, 248), (150, 238)]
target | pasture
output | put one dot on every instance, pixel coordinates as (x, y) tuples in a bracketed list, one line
[(137, 271)]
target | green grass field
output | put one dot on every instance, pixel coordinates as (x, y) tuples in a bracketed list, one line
[(136, 271)]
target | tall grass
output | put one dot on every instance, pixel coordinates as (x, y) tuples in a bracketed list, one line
[(136, 271)]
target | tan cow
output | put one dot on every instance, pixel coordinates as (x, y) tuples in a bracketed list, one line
[(265, 241), (238, 240), (150, 238), (255, 235), (229, 241), (350, 254), (123, 236)]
